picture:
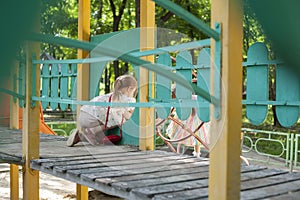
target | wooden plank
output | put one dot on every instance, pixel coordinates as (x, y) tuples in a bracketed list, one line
[(274, 179), (94, 173), (291, 195), (87, 157), (271, 191), (151, 162), (167, 172), (109, 161), (261, 174), (183, 189), (4, 157), (198, 192), (181, 179), (170, 191)]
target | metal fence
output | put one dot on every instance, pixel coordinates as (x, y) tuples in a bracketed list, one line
[(272, 148)]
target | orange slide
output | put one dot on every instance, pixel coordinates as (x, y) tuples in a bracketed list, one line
[(44, 128)]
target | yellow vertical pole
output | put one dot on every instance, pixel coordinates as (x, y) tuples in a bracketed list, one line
[(14, 124), (14, 182), (147, 21), (31, 137), (83, 71), (224, 170), (81, 192)]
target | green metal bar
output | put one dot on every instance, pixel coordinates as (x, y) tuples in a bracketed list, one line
[(157, 51), (187, 104), (159, 69), (291, 141), (286, 148), (296, 150), (15, 87), (190, 18), (179, 47), (274, 103), (270, 62), (12, 93), (217, 73)]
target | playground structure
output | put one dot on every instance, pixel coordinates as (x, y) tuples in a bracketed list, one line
[(225, 113)]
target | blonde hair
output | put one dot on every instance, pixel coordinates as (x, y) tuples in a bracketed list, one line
[(124, 81)]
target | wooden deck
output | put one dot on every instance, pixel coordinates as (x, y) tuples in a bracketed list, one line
[(126, 172)]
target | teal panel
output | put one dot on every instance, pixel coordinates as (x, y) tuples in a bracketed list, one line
[(73, 85), (184, 68), (131, 130), (116, 41), (287, 89), (257, 83), (64, 85), (54, 85), (163, 86), (45, 84), (203, 81), (96, 71), (130, 44)]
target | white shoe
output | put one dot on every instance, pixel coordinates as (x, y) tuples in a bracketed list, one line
[(196, 154), (73, 138)]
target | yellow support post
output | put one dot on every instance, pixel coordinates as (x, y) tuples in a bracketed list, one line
[(83, 71), (147, 20), (31, 115), (224, 170), (81, 192), (14, 124), (31, 136), (14, 182), (84, 35)]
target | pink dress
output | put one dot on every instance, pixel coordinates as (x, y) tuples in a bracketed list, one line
[(174, 131)]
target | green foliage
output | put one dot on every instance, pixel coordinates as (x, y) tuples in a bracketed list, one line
[(59, 18), (168, 20)]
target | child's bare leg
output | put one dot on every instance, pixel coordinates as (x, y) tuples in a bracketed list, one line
[(99, 132), (178, 148), (197, 151)]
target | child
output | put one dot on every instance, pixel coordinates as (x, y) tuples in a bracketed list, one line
[(93, 120), (174, 131)]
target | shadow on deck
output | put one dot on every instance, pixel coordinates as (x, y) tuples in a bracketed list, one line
[(126, 172)]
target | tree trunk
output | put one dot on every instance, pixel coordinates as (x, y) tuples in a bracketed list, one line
[(116, 23), (137, 13)]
